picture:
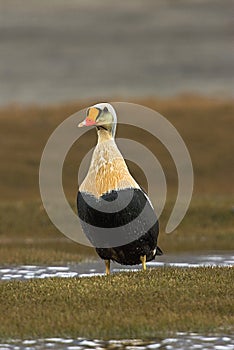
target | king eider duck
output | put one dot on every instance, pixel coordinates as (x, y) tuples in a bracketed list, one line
[(115, 213)]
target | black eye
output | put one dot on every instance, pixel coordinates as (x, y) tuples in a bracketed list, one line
[(105, 109), (87, 112)]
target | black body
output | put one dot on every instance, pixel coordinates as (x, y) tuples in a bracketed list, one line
[(121, 225)]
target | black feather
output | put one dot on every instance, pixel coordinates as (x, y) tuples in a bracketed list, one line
[(127, 211)]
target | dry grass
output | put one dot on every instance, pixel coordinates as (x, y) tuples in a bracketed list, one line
[(205, 124), (126, 305), (207, 128)]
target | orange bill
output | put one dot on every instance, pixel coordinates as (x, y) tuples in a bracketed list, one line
[(93, 113)]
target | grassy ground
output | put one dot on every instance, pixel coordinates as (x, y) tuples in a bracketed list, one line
[(28, 237), (125, 305), (206, 125), (26, 234), (170, 299)]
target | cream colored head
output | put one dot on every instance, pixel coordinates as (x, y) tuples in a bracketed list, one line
[(103, 116)]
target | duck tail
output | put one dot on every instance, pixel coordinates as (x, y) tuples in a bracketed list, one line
[(159, 251)]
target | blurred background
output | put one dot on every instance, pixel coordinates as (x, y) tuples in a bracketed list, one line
[(60, 56), (62, 50)]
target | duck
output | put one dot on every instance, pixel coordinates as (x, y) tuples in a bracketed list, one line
[(115, 212)]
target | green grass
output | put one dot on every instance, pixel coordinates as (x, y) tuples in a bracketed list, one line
[(125, 305), (28, 237), (44, 252), (137, 305)]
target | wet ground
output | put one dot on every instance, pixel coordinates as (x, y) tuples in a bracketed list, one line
[(92, 268), (180, 341), (88, 269)]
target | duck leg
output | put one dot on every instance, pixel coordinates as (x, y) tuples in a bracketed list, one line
[(143, 261), (107, 263)]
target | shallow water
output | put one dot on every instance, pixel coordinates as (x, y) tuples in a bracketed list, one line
[(179, 341), (92, 268), (88, 269)]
